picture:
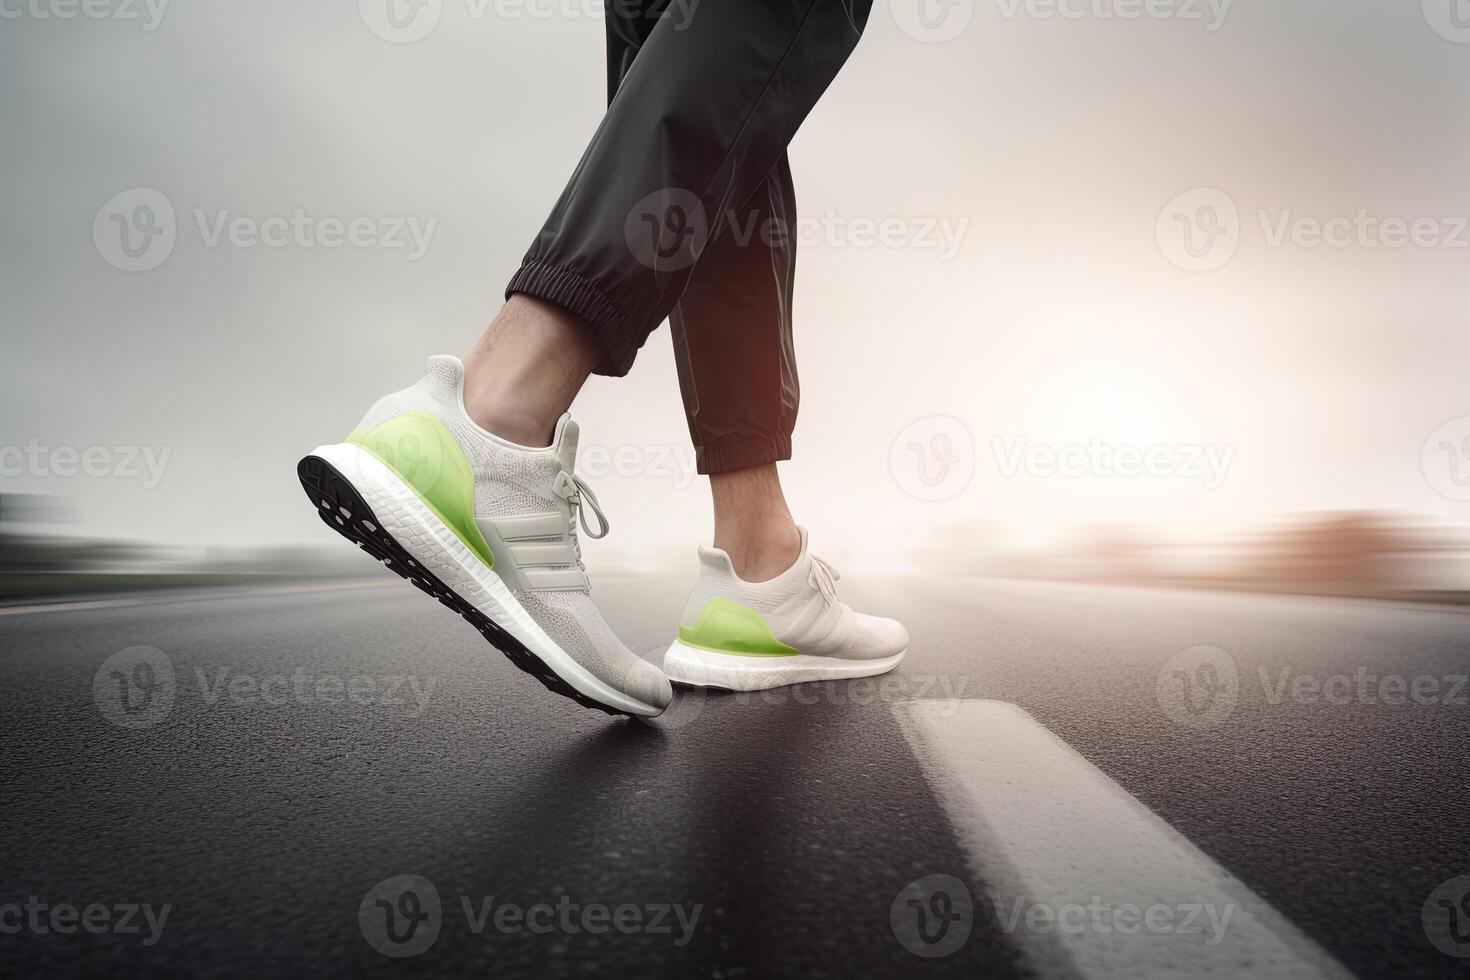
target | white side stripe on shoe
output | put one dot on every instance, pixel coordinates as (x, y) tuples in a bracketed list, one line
[(544, 553), (527, 527), (537, 550)]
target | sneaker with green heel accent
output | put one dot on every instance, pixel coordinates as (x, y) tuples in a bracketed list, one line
[(487, 527), (751, 636)]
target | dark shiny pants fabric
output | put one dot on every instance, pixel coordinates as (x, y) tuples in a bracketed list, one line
[(683, 207)]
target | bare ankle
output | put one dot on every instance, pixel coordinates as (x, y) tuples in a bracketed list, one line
[(526, 369), (753, 525), (761, 554)]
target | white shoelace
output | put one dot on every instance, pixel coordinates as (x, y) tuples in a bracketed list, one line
[(823, 577), (577, 494)]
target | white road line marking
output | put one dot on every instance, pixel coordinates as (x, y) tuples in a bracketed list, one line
[(226, 592), (1078, 865), (68, 606)]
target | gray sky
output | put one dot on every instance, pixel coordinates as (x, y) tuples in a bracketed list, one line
[(1029, 285)]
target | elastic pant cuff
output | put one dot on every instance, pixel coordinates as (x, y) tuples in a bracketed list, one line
[(581, 296), (738, 452)]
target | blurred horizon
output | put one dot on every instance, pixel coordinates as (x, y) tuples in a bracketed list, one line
[(1366, 554)]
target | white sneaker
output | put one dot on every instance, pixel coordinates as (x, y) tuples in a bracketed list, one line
[(486, 527), (749, 636)]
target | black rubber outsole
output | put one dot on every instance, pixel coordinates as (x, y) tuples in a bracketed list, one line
[(343, 509)]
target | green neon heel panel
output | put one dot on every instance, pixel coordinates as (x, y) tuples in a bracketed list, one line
[(728, 627), (425, 456)]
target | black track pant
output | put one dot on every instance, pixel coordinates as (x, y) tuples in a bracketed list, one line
[(683, 206)]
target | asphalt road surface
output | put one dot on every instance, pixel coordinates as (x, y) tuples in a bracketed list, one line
[(318, 781)]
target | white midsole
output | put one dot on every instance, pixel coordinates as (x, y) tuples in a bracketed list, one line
[(685, 664), (402, 513)]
